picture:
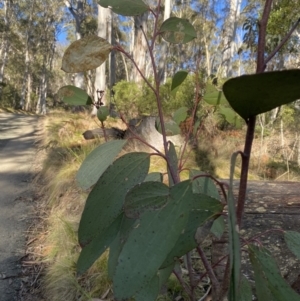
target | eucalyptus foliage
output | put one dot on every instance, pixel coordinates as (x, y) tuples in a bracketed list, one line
[(148, 225)]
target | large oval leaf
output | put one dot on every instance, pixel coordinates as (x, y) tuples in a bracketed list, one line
[(250, 95), (148, 243), (105, 202), (97, 162), (125, 7), (201, 208), (85, 54), (72, 95), (178, 31)]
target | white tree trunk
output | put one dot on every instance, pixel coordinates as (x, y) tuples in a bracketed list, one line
[(100, 77), (230, 34), (78, 15), (112, 57), (26, 76), (139, 46), (164, 46)]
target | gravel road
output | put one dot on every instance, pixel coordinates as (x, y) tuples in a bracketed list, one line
[(17, 151)]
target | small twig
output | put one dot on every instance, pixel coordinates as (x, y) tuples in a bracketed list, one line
[(191, 275), (209, 269), (104, 131)]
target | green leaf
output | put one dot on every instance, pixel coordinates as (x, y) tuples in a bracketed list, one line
[(149, 292), (85, 54), (170, 126), (292, 239), (245, 291), (230, 116), (213, 96), (203, 184), (234, 241), (218, 227), (164, 274), (72, 95), (116, 246), (177, 80), (267, 273), (105, 202), (148, 243), (94, 250), (178, 31), (250, 95), (125, 7), (201, 209), (154, 177), (103, 113), (261, 284), (145, 196), (180, 115), (173, 162), (97, 162)]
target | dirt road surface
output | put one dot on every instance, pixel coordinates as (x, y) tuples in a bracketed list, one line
[(17, 151)]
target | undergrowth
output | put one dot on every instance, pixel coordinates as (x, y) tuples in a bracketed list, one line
[(65, 149)]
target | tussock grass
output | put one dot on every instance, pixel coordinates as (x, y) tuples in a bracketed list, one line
[(65, 150)]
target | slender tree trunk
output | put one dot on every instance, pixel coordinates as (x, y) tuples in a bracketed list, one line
[(140, 46), (230, 34), (100, 78), (112, 57), (26, 76), (78, 15), (5, 44), (164, 46), (28, 105)]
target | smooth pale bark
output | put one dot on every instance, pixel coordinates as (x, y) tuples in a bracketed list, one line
[(164, 46), (139, 52), (28, 46), (100, 77), (230, 35), (26, 73), (112, 57), (28, 104), (78, 15)]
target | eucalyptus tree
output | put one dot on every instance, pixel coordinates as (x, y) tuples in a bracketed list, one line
[(139, 45), (5, 41), (77, 10), (103, 21), (230, 28), (164, 47), (51, 17)]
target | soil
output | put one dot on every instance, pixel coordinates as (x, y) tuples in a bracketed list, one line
[(18, 136)]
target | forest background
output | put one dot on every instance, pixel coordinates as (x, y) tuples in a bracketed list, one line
[(35, 34)]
